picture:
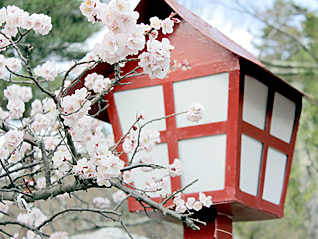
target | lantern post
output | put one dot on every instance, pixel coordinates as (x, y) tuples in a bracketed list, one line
[(241, 152)]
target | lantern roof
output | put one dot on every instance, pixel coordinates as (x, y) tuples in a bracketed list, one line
[(210, 31), (146, 11)]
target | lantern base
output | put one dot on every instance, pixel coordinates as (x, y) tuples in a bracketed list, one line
[(218, 226)]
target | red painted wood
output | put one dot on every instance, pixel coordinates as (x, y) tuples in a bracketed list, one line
[(218, 227)]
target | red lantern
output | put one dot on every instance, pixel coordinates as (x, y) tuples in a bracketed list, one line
[(242, 150)]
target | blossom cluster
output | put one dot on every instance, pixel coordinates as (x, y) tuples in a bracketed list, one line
[(148, 139), (156, 183), (12, 63), (83, 131), (96, 82), (47, 70), (75, 107), (101, 202), (17, 96), (125, 36), (156, 61), (13, 140), (102, 165), (44, 116), (15, 18), (192, 203)]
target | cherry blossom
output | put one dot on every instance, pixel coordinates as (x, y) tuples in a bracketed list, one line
[(75, 107), (176, 168), (155, 23), (118, 196), (130, 144), (147, 160), (149, 138), (167, 26), (59, 235), (47, 70), (101, 202), (197, 206), (156, 61), (195, 112), (34, 218), (13, 138), (206, 201), (128, 177), (190, 202), (60, 158)]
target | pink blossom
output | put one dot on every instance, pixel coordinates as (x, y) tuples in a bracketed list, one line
[(47, 70), (167, 26), (176, 168), (206, 201), (190, 203), (59, 235), (155, 23), (101, 202), (195, 112), (118, 196), (128, 177), (13, 138)]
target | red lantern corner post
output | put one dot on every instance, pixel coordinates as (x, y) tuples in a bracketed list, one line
[(241, 151)]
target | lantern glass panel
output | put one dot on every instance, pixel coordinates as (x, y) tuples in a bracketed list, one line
[(203, 158), (255, 102), (130, 102), (283, 118), (160, 154), (212, 91), (251, 154), (274, 175)]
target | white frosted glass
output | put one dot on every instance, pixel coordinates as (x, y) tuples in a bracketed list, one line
[(255, 102), (212, 91), (204, 159), (283, 118), (274, 176), (131, 102), (160, 154), (251, 154)]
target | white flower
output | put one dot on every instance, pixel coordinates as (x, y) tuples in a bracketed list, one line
[(47, 70), (175, 169), (155, 23), (16, 108), (190, 203), (128, 177), (148, 160), (195, 112), (206, 201), (197, 206), (101, 202), (14, 64), (13, 138), (118, 196), (167, 26), (23, 204), (59, 235)]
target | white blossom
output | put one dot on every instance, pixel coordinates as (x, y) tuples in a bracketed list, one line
[(195, 112), (175, 169)]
